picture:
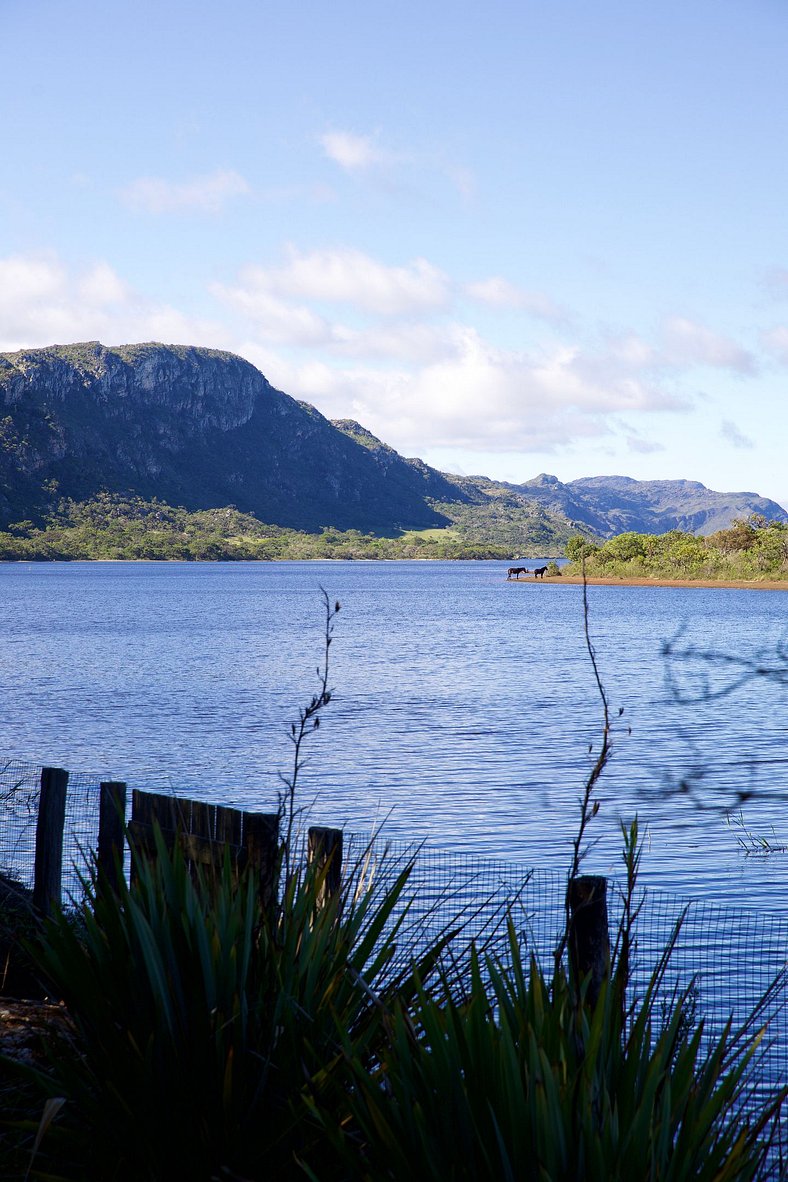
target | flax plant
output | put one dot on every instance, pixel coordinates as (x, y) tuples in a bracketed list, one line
[(204, 1024), (516, 1080)]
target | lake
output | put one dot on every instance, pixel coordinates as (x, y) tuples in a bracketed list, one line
[(463, 711)]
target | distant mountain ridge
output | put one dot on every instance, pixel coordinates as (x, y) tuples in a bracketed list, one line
[(611, 505), (204, 429)]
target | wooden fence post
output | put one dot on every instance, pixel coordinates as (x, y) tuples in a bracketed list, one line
[(324, 848), (112, 828), (51, 821), (589, 935)]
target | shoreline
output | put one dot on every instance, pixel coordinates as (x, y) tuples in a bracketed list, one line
[(706, 584)]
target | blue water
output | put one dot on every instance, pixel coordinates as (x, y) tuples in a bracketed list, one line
[(463, 713)]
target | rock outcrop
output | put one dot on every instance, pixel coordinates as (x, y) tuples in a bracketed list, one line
[(193, 427)]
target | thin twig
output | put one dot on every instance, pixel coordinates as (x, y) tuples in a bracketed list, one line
[(308, 722), (589, 807)]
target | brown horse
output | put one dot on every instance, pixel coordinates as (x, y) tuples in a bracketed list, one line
[(517, 571), (539, 572)]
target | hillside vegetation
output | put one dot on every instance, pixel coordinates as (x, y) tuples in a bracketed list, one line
[(111, 526), (751, 549)]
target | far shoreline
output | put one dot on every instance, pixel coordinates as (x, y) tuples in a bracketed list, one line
[(707, 584), (554, 580)]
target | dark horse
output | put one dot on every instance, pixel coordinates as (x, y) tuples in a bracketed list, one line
[(517, 571), (539, 572)]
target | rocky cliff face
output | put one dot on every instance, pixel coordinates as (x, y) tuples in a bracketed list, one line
[(191, 426)]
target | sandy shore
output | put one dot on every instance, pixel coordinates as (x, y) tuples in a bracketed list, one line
[(575, 580)]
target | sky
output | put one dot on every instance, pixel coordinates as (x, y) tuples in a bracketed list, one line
[(509, 238)]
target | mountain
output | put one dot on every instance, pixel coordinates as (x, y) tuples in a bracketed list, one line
[(204, 429), (610, 505), (193, 427)]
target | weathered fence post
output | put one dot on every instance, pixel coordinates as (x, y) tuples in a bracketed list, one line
[(324, 848), (48, 870), (589, 935), (112, 827)]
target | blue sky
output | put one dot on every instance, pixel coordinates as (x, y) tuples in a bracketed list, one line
[(508, 238)]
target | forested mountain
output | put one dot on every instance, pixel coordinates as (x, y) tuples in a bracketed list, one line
[(193, 427), (204, 430)]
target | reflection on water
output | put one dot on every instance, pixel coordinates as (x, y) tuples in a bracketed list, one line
[(464, 705)]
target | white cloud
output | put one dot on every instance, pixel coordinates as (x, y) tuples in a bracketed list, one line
[(476, 396), (204, 194), (348, 276), (25, 280), (353, 152), (44, 303), (400, 360), (731, 433), (274, 319), (101, 285), (686, 343), (360, 154), (500, 293)]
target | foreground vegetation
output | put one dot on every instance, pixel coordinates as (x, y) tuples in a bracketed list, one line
[(213, 1037), (115, 527), (751, 550)]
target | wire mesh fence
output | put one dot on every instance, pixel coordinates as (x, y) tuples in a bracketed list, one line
[(20, 793)]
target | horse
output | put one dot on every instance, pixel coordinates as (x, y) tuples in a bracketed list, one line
[(539, 572), (517, 571)]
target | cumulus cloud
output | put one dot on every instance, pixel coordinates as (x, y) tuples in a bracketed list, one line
[(388, 345), (101, 286), (348, 276), (275, 320), (203, 194), (685, 342), (398, 356), (42, 302), (731, 434), (474, 396), (25, 280), (353, 152)]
